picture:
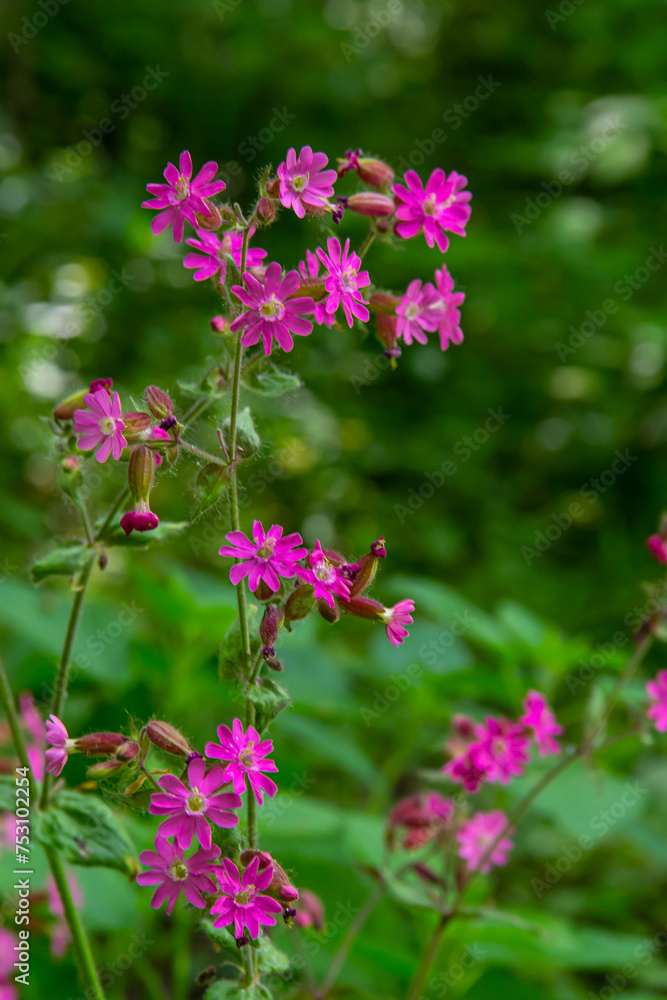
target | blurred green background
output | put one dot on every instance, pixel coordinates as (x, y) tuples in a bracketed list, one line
[(564, 334)]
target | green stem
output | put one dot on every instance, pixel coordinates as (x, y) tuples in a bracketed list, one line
[(365, 246), (115, 507), (200, 453), (194, 411), (353, 933), (429, 957), (81, 945)]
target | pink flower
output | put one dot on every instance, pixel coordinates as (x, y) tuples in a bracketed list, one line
[(416, 314), (181, 197), (446, 309), (246, 753), (476, 836), (216, 251), (657, 689), (8, 942), (425, 815), (191, 809), (242, 903), (657, 546), (344, 281), (33, 722), (304, 182), (443, 205), (60, 934), (310, 910), (269, 557), (172, 872), (61, 744), (271, 311), (101, 426), (396, 619), (500, 750), (326, 578), (466, 771), (310, 268), (142, 518), (539, 717)]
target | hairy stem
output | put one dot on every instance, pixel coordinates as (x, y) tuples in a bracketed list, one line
[(200, 453), (365, 246)]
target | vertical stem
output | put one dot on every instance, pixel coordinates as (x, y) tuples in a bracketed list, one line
[(429, 957), (81, 944), (354, 930), (366, 244)]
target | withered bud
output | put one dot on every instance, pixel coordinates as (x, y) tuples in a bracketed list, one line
[(265, 210), (127, 751), (105, 769), (158, 402), (66, 409), (274, 664), (99, 744), (300, 602), (101, 383), (377, 173), (165, 736), (329, 614), (271, 619), (212, 221), (207, 976), (371, 204)]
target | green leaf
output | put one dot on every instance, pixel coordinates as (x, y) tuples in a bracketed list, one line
[(231, 649), (410, 893), (274, 381), (223, 938), (213, 386), (225, 989), (271, 959), (269, 699), (248, 440), (66, 560), (142, 539), (84, 831), (210, 483)]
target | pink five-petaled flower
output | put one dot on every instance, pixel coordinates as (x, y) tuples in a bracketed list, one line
[(246, 753), (310, 268), (539, 717), (657, 690), (171, 872), (466, 771), (416, 312), (500, 750), (101, 426), (61, 744), (344, 281), (181, 197), (442, 205), (303, 181), (271, 311), (395, 620), (476, 836), (191, 809), (267, 558), (326, 578), (216, 251), (242, 903), (446, 310)]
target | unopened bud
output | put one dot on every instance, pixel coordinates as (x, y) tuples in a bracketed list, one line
[(329, 614), (300, 602), (158, 402), (366, 567), (218, 324), (377, 173), (372, 204), (268, 629), (165, 736), (99, 744), (136, 425), (141, 473), (319, 210), (387, 331), (274, 664), (265, 210), (265, 858), (310, 912), (363, 607), (263, 592), (383, 302), (288, 893), (105, 769), (212, 221), (103, 560), (228, 215), (66, 409), (273, 188), (127, 751)]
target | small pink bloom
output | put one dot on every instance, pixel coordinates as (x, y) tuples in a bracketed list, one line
[(501, 750), (246, 753), (304, 182), (445, 308), (539, 717), (424, 815), (396, 619), (139, 519), (344, 281), (466, 771), (215, 253), (326, 578), (242, 903), (310, 268), (61, 745), (476, 836), (101, 426), (172, 872), (8, 942), (310, 910), (191, 809), (416, 312), (657, 690), (270, 555), (442, 205), (657, 546), (271, 311), (181, 197)]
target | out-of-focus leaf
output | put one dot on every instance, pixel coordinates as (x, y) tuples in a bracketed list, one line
[(66, 560), (83, 830)]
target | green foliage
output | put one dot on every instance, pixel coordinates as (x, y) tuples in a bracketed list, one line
[(248, 440), (230, 662), (66, 560), (270, 380), (269, 699), (83, 830), (142, 539)]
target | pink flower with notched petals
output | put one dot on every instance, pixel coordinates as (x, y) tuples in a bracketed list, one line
[(416, 314), (326, 578), (501, 750), (61, 744), (215, 253), (189, 810), (396, 619), (101, 424), (345, 281), (173, 873), (442, 205), (181, 197), (445, 309), (242, 902), (539, 717), (270, 555), (310, 268), (304, 182), (657, 690), (272, 312), (246, 753), (476, 836)]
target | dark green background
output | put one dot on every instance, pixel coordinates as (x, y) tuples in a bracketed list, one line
[(351, 452)]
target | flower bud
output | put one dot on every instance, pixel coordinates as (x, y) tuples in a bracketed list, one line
[(366, 567), (268, 629), (212, 221), (300, 602), (319, 210), (310, 911), (265, 858), (363, 607), (387, 331), (105, 769), (158, 402), (274, 664), (165, 736), (139, 520), (372, 204), (136, 424), (265, 210), (70, 477), (329, 614), (141, 473), (383, 302), (657, 546), (66, 409), (273, 188), (263, 592), (314, 288), (99, 744), (218, 324), (377, 173), (228, 215), (127, 751), (287, 893)]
